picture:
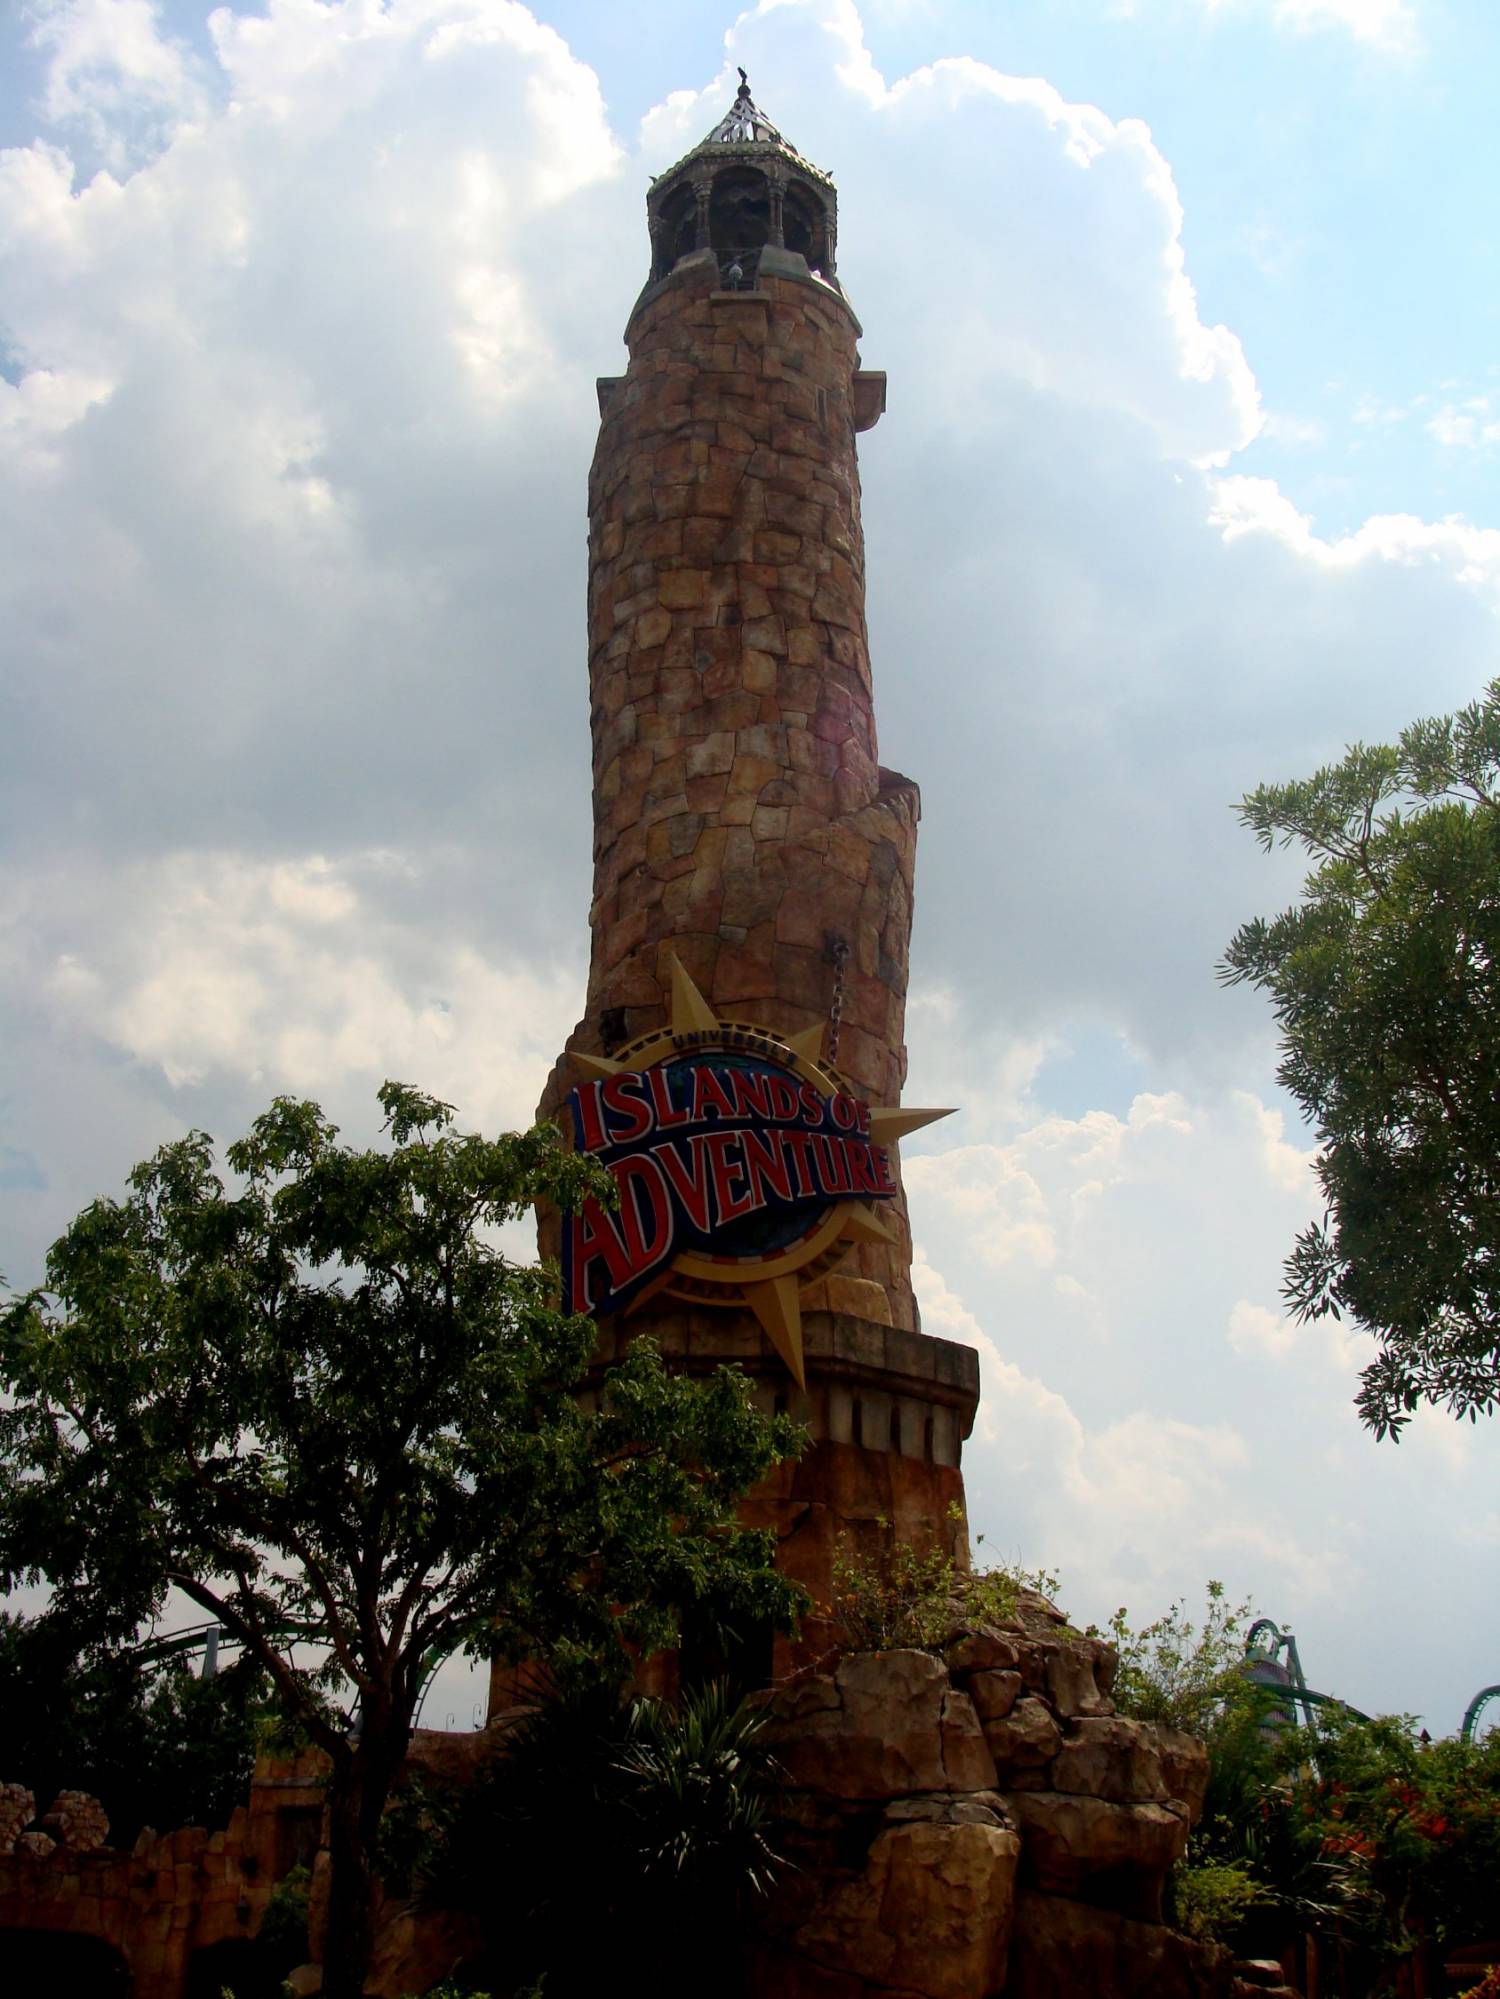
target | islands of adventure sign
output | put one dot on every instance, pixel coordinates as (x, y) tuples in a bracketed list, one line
[(744, 1165)]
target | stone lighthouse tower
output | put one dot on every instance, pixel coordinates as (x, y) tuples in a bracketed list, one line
[(741, 1058)]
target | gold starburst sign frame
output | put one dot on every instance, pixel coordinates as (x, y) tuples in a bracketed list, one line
[(771, 1285)]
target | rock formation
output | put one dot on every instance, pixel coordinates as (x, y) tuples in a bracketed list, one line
[(979, 1823)]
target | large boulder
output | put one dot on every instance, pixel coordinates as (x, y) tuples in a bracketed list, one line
[(1184, 1768), (1065, 1950), (994, 1693), (881, 1725), (1026, 1739), (1112, 1758), (17, 1810), (1070, 1671), (1113, 1855), (1072, 1683), (905, 1859), (77, 1821), (930, 1914)]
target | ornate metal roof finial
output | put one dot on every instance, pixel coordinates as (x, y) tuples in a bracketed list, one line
[(742, 122)]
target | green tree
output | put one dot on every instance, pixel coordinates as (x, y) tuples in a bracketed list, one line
[(1385, 980), (327, 1409)]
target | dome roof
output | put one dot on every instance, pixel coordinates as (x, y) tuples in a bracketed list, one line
[(746, 128), (746, 194)]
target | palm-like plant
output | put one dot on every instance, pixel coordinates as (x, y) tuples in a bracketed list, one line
[(695, 1784), (614, 1831)]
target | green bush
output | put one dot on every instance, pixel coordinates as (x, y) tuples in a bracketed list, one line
[(1182, 1675)]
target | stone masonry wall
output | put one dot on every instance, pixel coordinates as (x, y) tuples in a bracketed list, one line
[(174, 1893), (177, 1893)]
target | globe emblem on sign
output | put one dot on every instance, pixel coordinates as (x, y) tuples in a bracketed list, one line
[(744, 1164)]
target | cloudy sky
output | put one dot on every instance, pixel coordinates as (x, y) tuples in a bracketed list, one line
[(1189, 309)]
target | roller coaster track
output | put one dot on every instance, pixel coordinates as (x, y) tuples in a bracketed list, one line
[(1475, 1708), (212, 1641), (1264, 1644)]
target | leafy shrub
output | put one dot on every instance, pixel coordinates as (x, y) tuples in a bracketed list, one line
[(283, 1928), (695, 1785), (1182, 1675), (896, 1596), (1213, 1897), (1408, 1831)]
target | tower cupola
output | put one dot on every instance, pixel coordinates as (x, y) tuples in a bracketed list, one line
[(748, 197)]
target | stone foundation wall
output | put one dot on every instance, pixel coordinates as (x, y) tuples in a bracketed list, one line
[(177, 1893)]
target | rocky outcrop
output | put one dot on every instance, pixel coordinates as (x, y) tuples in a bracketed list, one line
[(951, 1877), (77, 1822), (979, 1823)]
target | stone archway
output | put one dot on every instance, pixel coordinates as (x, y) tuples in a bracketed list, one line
[(62, 1961)]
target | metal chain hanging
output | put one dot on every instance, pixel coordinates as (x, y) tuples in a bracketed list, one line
[(839, 952)]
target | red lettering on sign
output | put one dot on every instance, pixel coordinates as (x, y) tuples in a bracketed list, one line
[(638, 1175), (798, 1144), (590, 1117), (882, 1158), (862, 1167), (766, 1165), (845, 1111), (752, 1096), (689, 1182), (709, 1094), (812, 1106), (659, 1084), (833, 1171), (596, 1240), (622, 1099), (784, 1098), (727, 1164)]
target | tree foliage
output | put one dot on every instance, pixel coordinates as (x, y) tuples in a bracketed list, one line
[(323, 1405), (1178, 1674), (1175, 1673), (155, 1744), (1385, 980)]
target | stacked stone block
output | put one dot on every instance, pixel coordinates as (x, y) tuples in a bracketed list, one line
[(173, 1894)]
